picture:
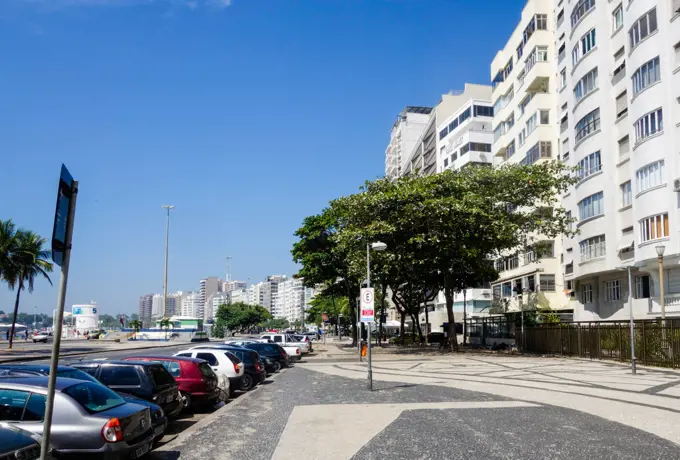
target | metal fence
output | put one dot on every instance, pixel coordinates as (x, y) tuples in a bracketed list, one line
[(655, 344)]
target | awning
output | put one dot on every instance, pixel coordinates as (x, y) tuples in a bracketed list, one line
[(625, 243)]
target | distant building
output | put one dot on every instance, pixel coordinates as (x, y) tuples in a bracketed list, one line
[(230, 286), (410, 124), (209, 287), (191, 303), (219, 298), (240, 295), (145, 308)]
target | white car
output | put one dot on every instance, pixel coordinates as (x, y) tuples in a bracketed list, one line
[(222, 362), (293, 352), (287, 340), (43, 337)]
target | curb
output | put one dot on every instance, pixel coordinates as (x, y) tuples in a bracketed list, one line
[(186, 434), (92, 352)]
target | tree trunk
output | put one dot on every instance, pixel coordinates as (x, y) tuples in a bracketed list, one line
[(427, 326), (16, 312), (402, 327), (353, 313), (465, 317), (416, 321), (453, 338)]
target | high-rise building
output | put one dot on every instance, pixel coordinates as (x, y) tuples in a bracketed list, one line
[(234, 285), (406, 130), (526, 131), (191, 303), (618, 111), (209, 286), (290, 301), (157, 306), (145, 308)]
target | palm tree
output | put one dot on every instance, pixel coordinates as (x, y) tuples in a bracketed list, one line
[(27, 259), (8, 241), (135, 324), (165, 323)]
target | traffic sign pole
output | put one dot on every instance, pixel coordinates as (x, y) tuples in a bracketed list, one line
[(59, 318), (369, 373)]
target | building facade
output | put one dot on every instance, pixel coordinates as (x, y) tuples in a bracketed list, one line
[(408, 127), (145, 308), (525, 127), (191, 305), (619, 86), (208, 287)]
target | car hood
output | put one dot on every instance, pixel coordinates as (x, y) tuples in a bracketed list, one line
[(13, 438)]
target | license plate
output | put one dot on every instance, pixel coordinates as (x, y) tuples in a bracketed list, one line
[(158, 430), (141, 451)]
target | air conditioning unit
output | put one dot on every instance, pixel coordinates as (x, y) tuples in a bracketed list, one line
[(676, 185)]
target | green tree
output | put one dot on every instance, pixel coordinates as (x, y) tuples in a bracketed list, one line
[(218, 330), (240, 316), (135, 324), (276, 323), (165, 323), (26, 259)]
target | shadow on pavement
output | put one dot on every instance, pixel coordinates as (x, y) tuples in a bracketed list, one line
[(169, 455), (395, 386)]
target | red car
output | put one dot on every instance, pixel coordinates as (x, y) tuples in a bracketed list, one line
[(197, 381)]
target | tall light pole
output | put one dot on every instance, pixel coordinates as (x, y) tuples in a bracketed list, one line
[(633, 364), (377, 246), (167, 207)]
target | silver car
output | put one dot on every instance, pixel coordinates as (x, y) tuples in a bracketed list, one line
[(88, 420)]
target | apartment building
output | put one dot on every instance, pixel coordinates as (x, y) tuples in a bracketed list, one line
[(290, 301), (464, 129), (406, 130), (208, 287), (145, 308), (525, 128), (191, 304), (618, 68)]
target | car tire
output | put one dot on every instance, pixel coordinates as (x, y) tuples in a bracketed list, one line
[(186, 400), (247, 382), (277, 366)]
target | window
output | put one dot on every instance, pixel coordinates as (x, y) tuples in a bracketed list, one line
[(648, 125), (510, 150), (653, 228), (563, 78), (531, 123), (483, 111), (172, 367), (580, 9), (567, 215), (648, 73), (626, 194), (540, 150), (585, 85), (592, 248), (464, 116), (93, 397), (589, 165), (621, 104), (525, 102), (544, 117), (649, 176), (507, 289), (497, 291), (538, 54), (591, 206), (35, 409), (119, 375), (12, 403), (443, 133), (446, 162), (498, 132), (587, 293), (677, 53), (642, 28), (453, 125), (624, 146), (547, 283), (584, 46), (617, 18), (642, 290), (612, 291), (588, 124), (209, 357)]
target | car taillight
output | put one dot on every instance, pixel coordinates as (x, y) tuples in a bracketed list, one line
[(112, 431), (236, 367), (257, 367), (297, 351), (283, 353)]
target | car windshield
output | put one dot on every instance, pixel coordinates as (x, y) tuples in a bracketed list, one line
[(93, 397), (206, 370), (76, 374)]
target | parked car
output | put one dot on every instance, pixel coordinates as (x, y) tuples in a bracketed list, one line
[(269, 350), (18, 443), (149, 381), (254, 368), (89, 419), (304, 338), (196, 380), (294, 353), (286, 339), (222, 362), (159, 422), (43, 337)]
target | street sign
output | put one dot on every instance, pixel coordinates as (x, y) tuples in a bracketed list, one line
[(367, 305), (64, 194)]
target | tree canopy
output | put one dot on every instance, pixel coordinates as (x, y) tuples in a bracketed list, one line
[(238, 316), (442, 231)]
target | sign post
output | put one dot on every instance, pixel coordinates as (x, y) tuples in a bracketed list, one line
[(61, 255), (368, 317)]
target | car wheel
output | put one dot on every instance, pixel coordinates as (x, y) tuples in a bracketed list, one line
[(247, 383), (186, 400), (277, 366)]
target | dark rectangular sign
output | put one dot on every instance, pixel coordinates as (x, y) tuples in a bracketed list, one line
[(64, 193)]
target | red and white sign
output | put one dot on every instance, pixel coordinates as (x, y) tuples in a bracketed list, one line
[(367, 305)]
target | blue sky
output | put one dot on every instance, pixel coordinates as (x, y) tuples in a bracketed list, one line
[(247, 115)]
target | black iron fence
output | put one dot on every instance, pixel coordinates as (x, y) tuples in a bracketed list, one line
[(655, 344)]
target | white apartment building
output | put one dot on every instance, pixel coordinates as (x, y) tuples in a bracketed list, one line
[(191, 303), (464, 129), (525, 125), (240, 295), (219, 298), (618, 70), (408, 127), (290, 301)]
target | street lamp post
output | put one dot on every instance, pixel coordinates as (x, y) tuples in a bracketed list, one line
[(633, 363), (377, 246), (167, 235), (659, 252)]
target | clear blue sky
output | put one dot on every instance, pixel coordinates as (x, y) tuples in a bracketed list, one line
[(246, 115)]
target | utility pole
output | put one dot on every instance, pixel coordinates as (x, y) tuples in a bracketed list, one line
[(167, 237)]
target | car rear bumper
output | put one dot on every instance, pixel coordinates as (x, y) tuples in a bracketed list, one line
[(207, 396), (173, 408), (112, 451)]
